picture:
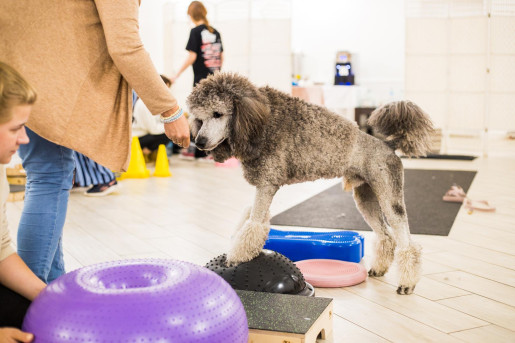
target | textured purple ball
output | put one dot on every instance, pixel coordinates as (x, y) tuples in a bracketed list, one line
[(138, 301)]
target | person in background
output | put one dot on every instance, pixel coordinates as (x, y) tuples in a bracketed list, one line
[(89, 173), (18, 284), (148, 129), (81, 66), (205, 52)]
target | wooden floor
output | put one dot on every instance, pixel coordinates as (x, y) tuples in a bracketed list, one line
[(467, 291)]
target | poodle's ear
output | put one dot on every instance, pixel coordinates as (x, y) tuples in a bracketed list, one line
[(250, 116), (222, 152)]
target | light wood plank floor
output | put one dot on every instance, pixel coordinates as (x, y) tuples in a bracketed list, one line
[(467, 292)]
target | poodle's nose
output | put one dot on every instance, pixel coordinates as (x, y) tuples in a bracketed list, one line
[(201, 142)]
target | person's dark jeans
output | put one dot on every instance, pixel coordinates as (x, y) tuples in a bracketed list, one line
[(12, 308)]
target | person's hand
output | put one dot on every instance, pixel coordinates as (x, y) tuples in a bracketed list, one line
[(173, 78), (179, 132), (12, 335)]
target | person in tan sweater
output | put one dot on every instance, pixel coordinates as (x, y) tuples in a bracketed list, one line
[(83, 58), (18, 284)]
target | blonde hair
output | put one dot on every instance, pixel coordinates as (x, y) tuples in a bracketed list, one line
[(14, 91), (198, 12)]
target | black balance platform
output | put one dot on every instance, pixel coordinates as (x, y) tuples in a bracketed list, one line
[(286, 318), (269, 272)]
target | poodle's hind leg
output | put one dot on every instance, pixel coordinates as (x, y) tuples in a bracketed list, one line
[(408, 253), (249, 239), (384, 244)]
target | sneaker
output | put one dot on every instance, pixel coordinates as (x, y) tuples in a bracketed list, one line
[(76, 188), (102, 189)]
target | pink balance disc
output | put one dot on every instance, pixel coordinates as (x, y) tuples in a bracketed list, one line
[(332, 273)]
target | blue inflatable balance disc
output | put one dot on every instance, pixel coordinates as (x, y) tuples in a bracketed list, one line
[(306, 245)]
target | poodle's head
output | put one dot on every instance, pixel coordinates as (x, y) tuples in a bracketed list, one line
[(227, 114)]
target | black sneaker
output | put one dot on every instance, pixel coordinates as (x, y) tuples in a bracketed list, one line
[(102, 189)]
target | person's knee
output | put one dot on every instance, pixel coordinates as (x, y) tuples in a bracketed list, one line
[(51, 174)]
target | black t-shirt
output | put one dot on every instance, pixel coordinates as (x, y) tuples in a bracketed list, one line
[(208, 47)]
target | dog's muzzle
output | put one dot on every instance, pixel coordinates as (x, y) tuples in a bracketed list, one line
[(201, 142)]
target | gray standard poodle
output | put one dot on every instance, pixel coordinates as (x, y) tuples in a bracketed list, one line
[(282, 140)]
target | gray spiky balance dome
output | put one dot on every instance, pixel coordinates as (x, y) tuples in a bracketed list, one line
[(269, 272)]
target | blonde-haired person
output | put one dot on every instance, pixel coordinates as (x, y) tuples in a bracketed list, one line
[(83, 66), (18, 284), (205, 50)]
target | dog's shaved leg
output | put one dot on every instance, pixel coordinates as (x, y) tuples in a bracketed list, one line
[(408, 252), (248, 241), (262, 202), (384, 244)]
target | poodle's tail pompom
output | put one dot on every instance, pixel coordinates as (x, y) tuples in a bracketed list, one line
[(405, 127)]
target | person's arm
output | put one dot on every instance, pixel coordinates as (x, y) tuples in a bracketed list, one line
[(12, 335), (121, 29), (192, 56), (15, 275), (6, 256)]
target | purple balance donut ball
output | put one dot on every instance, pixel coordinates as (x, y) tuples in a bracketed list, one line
[(151, 300)]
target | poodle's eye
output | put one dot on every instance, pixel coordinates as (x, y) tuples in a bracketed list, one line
[(217, 115), (198, 122)]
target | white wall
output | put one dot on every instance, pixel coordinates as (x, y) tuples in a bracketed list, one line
[(460, 63), (152, 30), (372, 30)]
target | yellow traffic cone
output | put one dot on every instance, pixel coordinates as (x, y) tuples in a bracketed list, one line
[(137, 168), (162, 166)]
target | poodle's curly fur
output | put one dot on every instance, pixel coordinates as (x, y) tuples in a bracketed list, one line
[(282, 140)]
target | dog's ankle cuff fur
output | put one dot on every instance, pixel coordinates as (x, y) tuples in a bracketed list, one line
[(409, 261), (248, 242)]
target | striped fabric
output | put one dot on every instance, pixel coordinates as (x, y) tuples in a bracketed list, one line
[(88, 172)]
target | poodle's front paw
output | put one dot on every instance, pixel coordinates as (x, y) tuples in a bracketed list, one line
[(234, 258), (402, 289), (247, 243), (241, 252)]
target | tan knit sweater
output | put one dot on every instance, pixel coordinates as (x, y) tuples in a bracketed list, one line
[(83, 58), (6, 247)]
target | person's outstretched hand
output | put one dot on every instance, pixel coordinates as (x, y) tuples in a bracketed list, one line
[(12, 335), (179, 132)]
